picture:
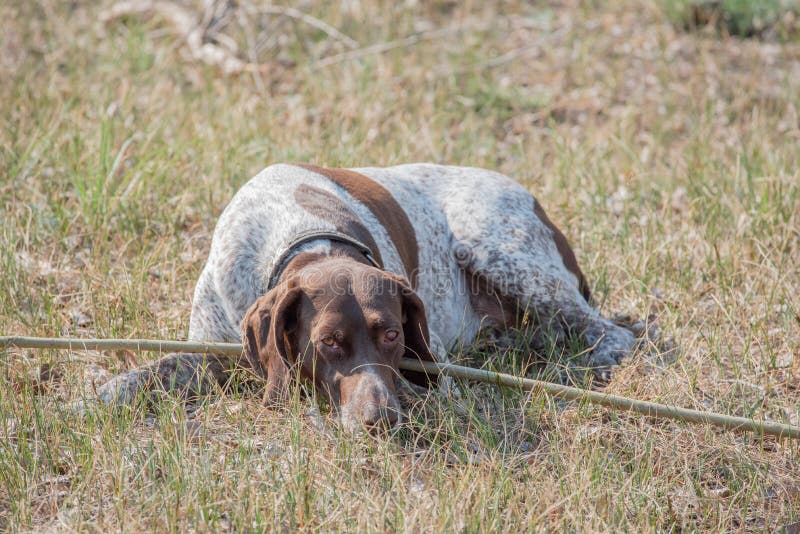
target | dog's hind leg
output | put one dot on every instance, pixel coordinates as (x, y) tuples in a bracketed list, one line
[(520, 258)]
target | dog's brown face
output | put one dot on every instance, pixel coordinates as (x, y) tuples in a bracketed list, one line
[(344, 326)]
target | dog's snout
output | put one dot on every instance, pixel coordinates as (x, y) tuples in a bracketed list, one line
[(371, 405)]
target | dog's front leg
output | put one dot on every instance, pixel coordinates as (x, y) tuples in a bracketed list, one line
[(186, 375)]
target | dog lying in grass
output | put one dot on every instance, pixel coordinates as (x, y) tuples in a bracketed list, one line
[(332, 275)]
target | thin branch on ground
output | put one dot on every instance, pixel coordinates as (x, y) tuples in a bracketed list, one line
[(507, 57), (615, 402), (380, 48), (311, 21)]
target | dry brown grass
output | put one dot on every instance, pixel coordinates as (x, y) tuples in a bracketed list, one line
[(669, 159)]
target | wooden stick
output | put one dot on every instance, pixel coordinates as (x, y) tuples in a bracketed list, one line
[(649, 409)]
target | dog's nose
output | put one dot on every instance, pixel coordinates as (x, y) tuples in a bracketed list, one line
[(381, 411), (381, 417), (391, 416)]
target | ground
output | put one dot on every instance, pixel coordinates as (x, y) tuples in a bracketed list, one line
[(669, 158)]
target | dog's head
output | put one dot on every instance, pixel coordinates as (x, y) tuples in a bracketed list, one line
[(344, 326)]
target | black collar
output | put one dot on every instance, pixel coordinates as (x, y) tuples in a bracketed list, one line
[(313, 235)]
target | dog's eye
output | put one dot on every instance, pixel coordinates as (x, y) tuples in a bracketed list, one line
[(391, 335), (329, 341)]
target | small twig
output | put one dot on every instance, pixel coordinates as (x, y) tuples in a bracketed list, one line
[(308, 19), (507, 57), (615, 402), (214, 19), (380, 48)]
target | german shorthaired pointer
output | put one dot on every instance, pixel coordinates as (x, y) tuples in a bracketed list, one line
[(333, 275)]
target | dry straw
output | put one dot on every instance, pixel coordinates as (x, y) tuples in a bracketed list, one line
[(649, 409)]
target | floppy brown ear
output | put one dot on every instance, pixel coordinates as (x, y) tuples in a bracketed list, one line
[(264, 331), (416, 334)]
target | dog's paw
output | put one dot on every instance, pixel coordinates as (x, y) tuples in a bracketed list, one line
[(83, 407), (123, 389), (613, 346)]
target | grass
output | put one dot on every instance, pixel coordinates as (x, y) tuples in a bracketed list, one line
[(670, 160), (773, 18)]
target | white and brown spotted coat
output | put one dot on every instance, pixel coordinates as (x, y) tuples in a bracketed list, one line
[(436, 225), (474, 244)]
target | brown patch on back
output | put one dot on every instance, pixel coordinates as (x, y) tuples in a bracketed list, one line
[(331, 208), (384, 207), (567, 255)]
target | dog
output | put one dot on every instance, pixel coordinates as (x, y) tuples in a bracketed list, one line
[(333, 275)]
